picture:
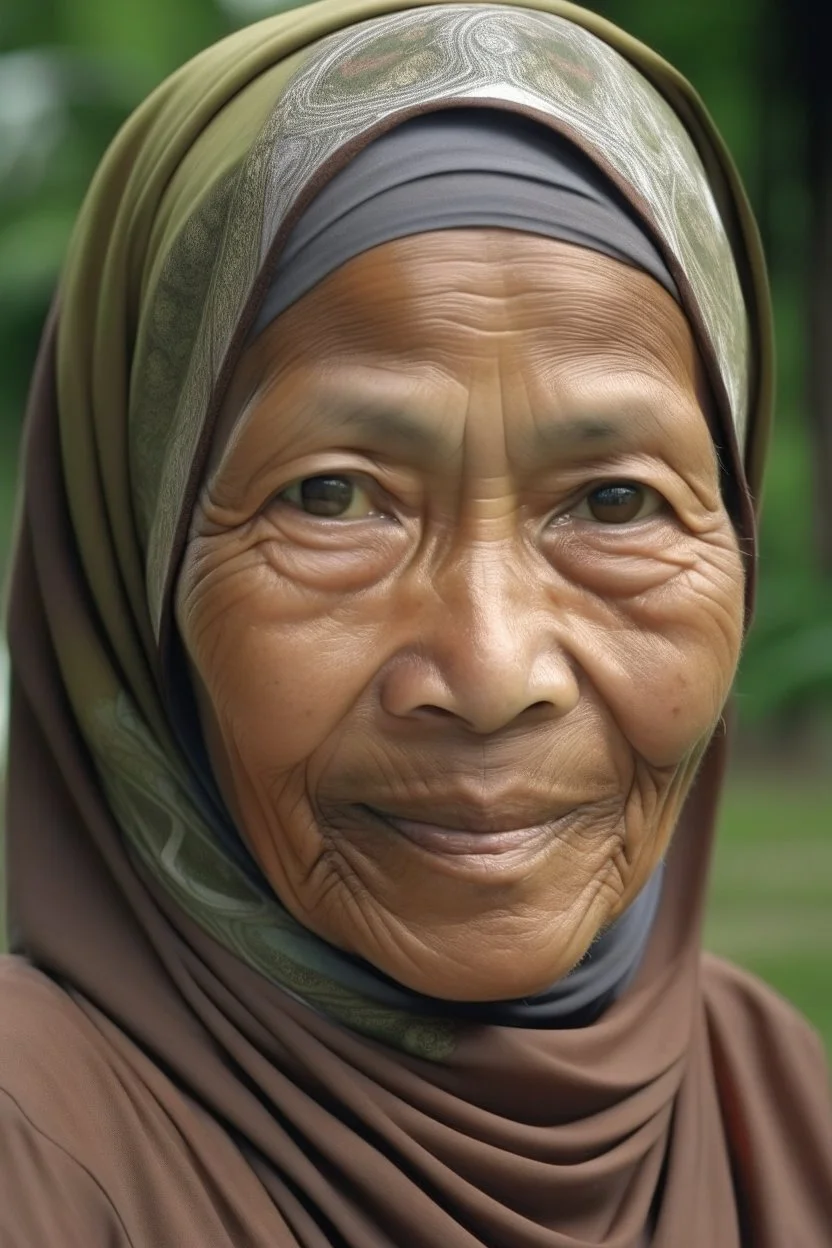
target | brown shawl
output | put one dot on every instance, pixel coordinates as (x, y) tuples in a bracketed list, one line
[(182, 1067)]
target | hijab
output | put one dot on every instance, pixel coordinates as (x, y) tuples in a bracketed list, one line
[(454, 170), (692, 1110)]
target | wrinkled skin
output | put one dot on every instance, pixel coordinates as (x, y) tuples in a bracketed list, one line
[(486, 638)]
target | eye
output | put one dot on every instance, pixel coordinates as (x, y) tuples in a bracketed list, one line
[(332, 497), (618, 502)]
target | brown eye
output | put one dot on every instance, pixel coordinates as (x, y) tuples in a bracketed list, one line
[(619, 502), (338, 498)]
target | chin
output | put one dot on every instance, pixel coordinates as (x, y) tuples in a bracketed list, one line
[(497, 973)]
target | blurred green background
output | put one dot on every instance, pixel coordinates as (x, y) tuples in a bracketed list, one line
[(71, 70)]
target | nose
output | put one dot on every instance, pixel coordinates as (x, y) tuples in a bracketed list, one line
[(484, 652)]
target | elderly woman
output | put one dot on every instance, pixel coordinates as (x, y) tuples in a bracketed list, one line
[(385, 557)]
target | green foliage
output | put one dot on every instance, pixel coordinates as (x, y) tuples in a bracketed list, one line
[(71, 70), (772, 888)]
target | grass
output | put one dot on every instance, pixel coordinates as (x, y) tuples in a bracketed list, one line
[(771, 894)]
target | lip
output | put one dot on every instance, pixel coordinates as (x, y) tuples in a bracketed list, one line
[(468, 841)]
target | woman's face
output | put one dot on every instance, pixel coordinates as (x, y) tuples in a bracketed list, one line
[(463, 603)]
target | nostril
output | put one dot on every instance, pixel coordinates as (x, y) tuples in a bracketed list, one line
[(436, 712), (543, 706)]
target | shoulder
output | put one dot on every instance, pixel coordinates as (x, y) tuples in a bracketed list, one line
[(48, 1194), (744, 1009), (47, 1054), (772, 1080), (87, 1117), (54, 1064)]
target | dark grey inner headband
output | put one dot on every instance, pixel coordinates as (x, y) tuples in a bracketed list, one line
[(451, 170)]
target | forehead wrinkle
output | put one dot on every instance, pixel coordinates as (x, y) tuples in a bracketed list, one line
[(538, 420), (431, 271), (486, 470)]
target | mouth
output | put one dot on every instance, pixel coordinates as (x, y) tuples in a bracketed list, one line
[(468, 841)]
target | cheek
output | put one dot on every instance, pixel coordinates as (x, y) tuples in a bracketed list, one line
[(666, 668), (278, 685)]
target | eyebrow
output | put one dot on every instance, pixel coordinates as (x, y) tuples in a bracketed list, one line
[(387, 424), (580, 431), (395, 427)]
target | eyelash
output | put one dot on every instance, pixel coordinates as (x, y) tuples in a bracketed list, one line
[(370, 487), (367, 485)]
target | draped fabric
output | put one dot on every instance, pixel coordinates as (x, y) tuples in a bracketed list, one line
[(459, 168), (189, 1063)]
